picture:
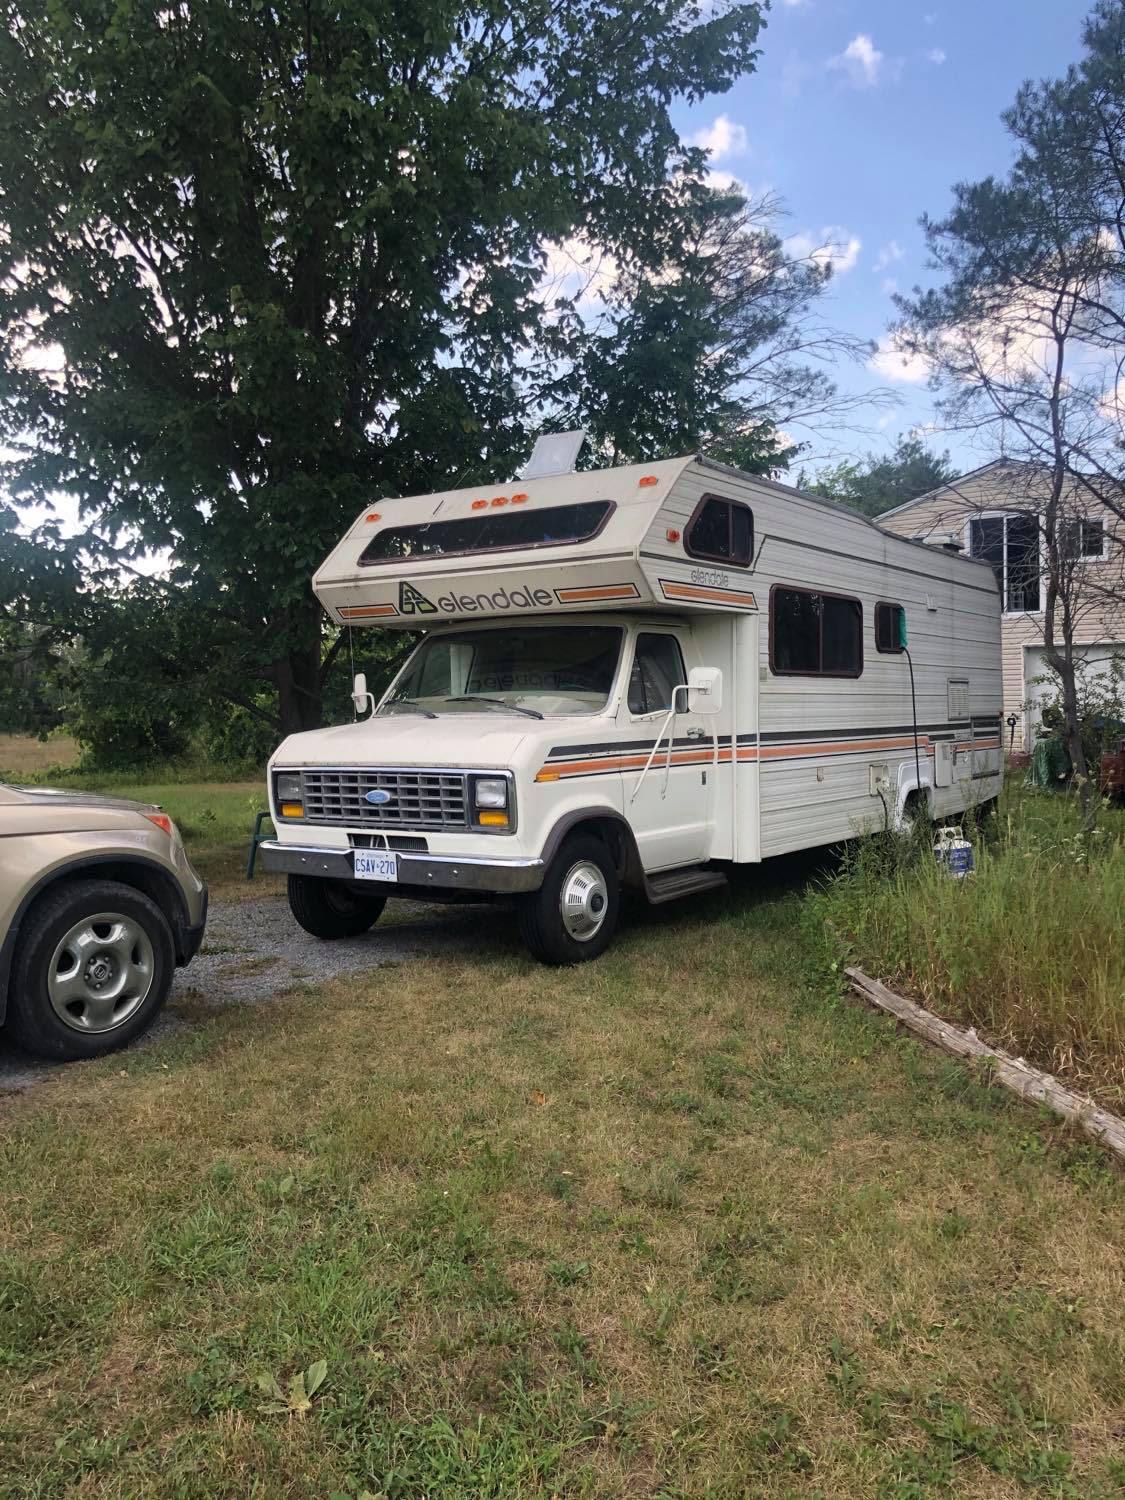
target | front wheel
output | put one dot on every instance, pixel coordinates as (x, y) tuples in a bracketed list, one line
[(92, 968), (332, 908), (572, 917)]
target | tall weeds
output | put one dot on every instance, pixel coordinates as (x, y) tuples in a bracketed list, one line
[(1030, 949)]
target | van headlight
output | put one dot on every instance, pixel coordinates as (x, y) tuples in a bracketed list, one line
[(491, 802), (290, 794)]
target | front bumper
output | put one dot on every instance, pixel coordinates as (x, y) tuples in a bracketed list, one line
[(500, 877), (189, 938)]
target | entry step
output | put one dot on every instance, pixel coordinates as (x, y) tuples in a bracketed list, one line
[(670, 885)]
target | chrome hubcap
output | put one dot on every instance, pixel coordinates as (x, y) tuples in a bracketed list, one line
[(583, 901), (102, 970)]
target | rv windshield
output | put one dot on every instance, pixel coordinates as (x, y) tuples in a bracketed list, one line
[(548, 669)]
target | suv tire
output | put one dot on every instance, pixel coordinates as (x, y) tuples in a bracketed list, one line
[(92, 967), (572, 917), (333, 908)]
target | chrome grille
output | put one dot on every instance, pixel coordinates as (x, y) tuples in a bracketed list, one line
[(419, 799)]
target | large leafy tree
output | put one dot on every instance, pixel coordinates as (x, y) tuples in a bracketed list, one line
[(880, 482), (259, 258), (1025, 331), (715, 341)]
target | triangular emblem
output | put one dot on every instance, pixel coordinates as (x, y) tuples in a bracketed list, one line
[(411, 602)]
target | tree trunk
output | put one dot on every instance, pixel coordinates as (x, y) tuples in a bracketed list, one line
[(297, 672)]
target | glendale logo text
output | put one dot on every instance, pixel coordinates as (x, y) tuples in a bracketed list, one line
[(411, 602)]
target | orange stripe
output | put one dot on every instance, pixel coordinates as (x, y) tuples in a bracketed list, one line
[(699, 591), (363, 611), (598, 591)]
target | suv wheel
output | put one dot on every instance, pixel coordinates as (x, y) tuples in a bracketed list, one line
[(572, 917), (92, 968), (332, 908)]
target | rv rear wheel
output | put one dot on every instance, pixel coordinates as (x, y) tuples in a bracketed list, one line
[(572, 917), (332, 908)]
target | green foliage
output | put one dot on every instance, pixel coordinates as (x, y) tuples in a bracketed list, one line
[(1099, 703), (1026, 949), (879, 483), (292, 257)]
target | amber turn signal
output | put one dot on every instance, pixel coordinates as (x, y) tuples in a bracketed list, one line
[(492, 819), (292, 810)]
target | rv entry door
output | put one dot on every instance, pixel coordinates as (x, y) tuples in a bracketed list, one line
[(669, 805)]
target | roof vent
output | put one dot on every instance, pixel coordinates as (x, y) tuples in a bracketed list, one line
[(554, 453), (952, 545)]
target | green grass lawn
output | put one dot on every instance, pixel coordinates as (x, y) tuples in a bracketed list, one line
[(1030, 950), (683, 1223)]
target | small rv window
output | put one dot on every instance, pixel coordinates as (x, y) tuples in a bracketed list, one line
[(658, 668), (815, 635), (496, 530), (721, 531), (888, 628)]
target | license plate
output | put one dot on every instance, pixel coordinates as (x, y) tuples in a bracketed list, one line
[(375, 864)]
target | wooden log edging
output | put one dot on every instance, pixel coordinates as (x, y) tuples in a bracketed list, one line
[(1028, 1082)]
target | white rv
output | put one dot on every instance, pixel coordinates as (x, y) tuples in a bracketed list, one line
[(630, 678)]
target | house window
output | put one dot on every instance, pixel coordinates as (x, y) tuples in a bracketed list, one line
[(890, 623), (658, 669), (1083, 538), (1011, 545), (720, 531), (815, 635)]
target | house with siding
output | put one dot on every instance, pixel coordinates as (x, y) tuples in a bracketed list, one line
[(995, 512)]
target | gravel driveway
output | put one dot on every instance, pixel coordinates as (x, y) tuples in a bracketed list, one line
[(254, 951)]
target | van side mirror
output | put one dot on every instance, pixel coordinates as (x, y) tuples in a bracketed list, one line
[(360, 695), (705, 690)]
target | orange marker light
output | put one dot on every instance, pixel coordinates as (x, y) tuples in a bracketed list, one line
[(500, 500), (480, 504), (162, 821), (372, 515), (672, 534), (519, 499), (647, 480)]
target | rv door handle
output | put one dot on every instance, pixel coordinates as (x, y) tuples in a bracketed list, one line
[(694, 733)]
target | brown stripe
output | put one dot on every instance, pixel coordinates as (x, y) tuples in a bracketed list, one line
[(597, 591), (707, 594)]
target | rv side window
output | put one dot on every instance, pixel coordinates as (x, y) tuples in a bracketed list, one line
[(500, 530), (721, 531), (658, 668), (815, 635), (888, 628)]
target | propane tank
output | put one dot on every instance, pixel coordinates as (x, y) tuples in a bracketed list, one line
[(954, 852)]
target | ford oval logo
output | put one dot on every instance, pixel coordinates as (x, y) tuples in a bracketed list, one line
[(378, 797)]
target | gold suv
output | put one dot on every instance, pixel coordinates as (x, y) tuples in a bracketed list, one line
[(98, 905)]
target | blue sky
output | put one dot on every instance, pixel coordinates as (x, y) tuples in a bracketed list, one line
[(861, 115)]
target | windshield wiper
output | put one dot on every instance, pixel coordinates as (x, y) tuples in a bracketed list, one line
[(518, 708), (411, 703)]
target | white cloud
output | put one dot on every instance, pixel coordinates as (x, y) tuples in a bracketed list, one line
[(936, 55), (888, 286), (861, 60), (723, 137), (833, 246), (895, 363), (890, 252), (726, 182), (577, 269)]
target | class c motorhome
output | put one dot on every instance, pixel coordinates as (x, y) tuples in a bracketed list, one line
[(630, 678)]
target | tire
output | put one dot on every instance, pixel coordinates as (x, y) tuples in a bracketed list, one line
[(333, 908), (92, 967), (584, 868)]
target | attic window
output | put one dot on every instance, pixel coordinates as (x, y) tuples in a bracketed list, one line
[(720, 531), (494, 531)]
